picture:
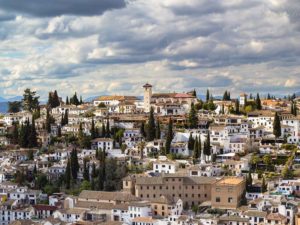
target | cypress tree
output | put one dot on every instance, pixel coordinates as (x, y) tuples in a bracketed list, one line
[(50, 100), (55, 100), (66, 117), (258, 102), (195, 150), (237, 107), (80, 102), (32, 138), (59, 131), (62, 121), (193, 118), (67, 101), (74, 164), (169, 136), (157, 130), (191, 142), (151, 126), (103, 133), (223, 109), (225, 96), (276, 126), (93, 130), (68, 175), (94, 172), (48, 121), (194, 93), (207, 147), (107, 128), (15, 134), (207, 96), (199, 146), (292, 108), (142, 129), (86, 173)]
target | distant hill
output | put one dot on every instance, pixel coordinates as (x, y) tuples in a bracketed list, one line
[(3, 107)]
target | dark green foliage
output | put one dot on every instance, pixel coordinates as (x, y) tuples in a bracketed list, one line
[(193, 118), (294, 109), (226, 96), (68, 175), (53, 100), (142, 129), (30, 101), (191, 142), (207, 147), (103, 133), (169, 136), (258, 102), (74, 100), (151, 126), (67, 101), (86, 173), (74, 164), (195, 150), (27, 136), (207, 96), (107, 134), (14, 107), (276, 126), (49, 120), (157, 130), (84, 140), (194, 93), (237, 107), (93, 130)]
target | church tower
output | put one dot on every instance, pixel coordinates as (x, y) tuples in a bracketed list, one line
[(147, 97)]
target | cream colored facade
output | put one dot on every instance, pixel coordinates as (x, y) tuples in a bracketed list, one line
[(192, 190)]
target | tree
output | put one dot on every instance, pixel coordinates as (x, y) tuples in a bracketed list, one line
[(85, 185), (151, 126), (193, 118), (74, 100), (15, 133), (276, 126), (74, 164), (207, 96), (267, 160), (107, 128), (142, 129), (68, 175), (30, 155), (195, 151), (30, 101), (86, 173), (14, 107), (249, 179), (157, 130), (207, 147), (49, 120), (258, 102), (103, 133), (67, 101), (93, 130), (32, 138), (264, 186), (237, 107), (254, 160), (169, 136), (191, 142), (194, 93)]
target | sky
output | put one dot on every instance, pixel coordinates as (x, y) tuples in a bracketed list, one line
[(98, 47)]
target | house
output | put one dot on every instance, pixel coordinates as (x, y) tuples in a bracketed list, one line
[(102, 143), (164, 166)]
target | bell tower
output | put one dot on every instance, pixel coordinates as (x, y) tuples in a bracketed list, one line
[(147, 97)]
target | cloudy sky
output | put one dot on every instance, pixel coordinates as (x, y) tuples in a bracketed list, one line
[(99, 47)]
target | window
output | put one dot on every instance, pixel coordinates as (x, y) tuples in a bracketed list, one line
[(218, 199), (230, 200)]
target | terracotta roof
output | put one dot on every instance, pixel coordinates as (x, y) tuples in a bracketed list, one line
[(103, 195), (276, 216), (144, 220)]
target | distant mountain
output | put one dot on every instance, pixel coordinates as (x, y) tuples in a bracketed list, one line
[(90, 99), (3, 107)]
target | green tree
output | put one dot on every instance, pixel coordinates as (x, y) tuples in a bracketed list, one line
[(67, 101), (258, 102), (93, 130), (264, 186), (195, 151), (49, 121), (30, 101), (151, 126), (74, 164), (207, 147), (14, 107), (32, 137), (237, 107), (86, 173), (169, 137), (68, 175), (191, 142), (193, 118), (74, 100), (157, 130), (85, 185), (276, 126), (142, 129), (207, 96)]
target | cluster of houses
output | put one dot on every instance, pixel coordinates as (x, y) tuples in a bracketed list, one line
[(178, 190)]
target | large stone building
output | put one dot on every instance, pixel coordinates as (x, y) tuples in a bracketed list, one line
[(192, 190)]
